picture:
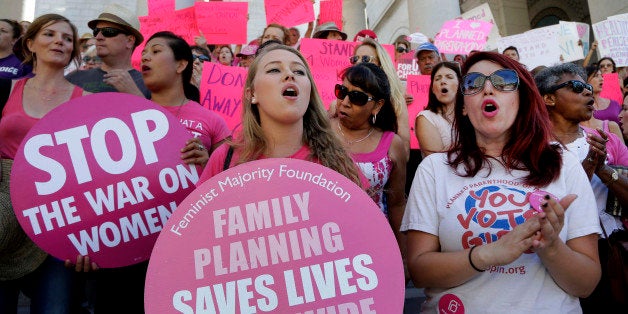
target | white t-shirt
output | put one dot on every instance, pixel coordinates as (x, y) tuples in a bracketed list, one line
[(465, 212), (443, 126)]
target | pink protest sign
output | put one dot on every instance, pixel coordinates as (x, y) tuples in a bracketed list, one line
[(407, 65), (280, 236), (222, 22), (181, 22), (419, 87), (331, 10), (160, 6), (462, 36), (99, 176), (221, 91), (327, 58), (611, 88), (289, 12)]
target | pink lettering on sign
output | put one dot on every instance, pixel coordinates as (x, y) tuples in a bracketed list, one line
[(461, 36), (331, 10), (221, 91), (100, 175), (222, 22), (181, 22), (289, 12), (276, 235), (419, 87), (407, 65)]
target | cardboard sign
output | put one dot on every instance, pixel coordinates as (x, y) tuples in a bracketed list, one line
[(584, 31), (419, 87), (289, 12), (611, 88), (331, 11), (277, 236), (483, 13), (222, 22), (612, 39), (99, 176), (536, 47), (327, 59), (568, 35), (221, 91), (462, 36)]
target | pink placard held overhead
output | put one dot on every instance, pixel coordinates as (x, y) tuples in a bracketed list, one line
[(160, 6), (181, 22), (222, 22), (289, 12), (331, 10), (462, 36), (407, 65), (326, 58), (221, 91), (99, 176), (419, 87), (276, 236), (611, 88)]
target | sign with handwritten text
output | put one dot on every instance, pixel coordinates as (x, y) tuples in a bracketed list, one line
[(462, 36), (289, 12), (483, 13), (99, 176), (536, 47), (419, 87), (276, 235), (222, 22), (221, 91), (568, 37), (612, 40), (331, 11)]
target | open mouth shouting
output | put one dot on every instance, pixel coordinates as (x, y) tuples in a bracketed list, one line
[(490, 108)]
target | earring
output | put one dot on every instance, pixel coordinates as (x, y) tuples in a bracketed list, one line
[(374, 118), (253, 100)]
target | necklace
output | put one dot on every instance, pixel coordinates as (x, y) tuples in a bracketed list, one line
[(354, 141), (47, 96)]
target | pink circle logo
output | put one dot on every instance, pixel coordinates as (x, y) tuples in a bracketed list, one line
[(276, 235), (99, 176), (450, 304)]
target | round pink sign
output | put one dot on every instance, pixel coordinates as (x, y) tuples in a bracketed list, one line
[(276, 235), (99, 176)]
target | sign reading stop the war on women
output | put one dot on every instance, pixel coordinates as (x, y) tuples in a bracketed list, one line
[(280, 236), (99, 176)]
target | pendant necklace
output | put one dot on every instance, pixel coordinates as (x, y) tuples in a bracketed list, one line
[(354, 141)]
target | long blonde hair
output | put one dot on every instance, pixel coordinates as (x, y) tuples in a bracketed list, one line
[(317, 133)]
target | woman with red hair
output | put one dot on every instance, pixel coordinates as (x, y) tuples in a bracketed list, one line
[(505, 214)]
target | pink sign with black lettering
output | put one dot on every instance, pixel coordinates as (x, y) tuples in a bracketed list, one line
[(276, 235), (99, 176)]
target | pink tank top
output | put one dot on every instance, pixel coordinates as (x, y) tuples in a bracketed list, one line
[(16, 123), (376, 167)]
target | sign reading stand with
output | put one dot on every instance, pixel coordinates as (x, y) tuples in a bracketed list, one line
[(276, 235), (99, 176)]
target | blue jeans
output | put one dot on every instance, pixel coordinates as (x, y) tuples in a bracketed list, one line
[(49, 287)]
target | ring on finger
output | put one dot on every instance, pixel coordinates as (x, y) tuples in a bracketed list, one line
[(200, 146)]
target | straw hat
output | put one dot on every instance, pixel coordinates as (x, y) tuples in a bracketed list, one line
[(18, 254), (119, 15)]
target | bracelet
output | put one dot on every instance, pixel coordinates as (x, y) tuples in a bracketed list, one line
[(471, 262)]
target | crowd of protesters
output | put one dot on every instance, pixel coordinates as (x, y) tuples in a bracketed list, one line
[(490, 126)]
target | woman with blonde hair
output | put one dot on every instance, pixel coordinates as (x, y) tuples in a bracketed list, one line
[(283, 117)]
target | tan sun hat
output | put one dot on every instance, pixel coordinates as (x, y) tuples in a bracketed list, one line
[(18, 254), (119, 15)]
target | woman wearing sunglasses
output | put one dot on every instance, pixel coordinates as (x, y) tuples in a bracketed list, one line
[(505, 220), (200, 55), (569, 101), (282, 117), (90, 59), (49, 45), (366, 124), (433, 126), (606, 111)]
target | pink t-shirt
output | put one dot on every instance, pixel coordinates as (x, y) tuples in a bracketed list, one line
[(216, 162), (16, 123), (617, 152), (201, 122)]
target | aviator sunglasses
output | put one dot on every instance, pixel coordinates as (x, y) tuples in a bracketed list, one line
[(355, 97), (504, 80), (200, 57), (363, 59), (109, 32), (577, 86)]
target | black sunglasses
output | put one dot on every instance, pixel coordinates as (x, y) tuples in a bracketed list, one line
[(88, 59), (200, 57), (109, 32), (401, 49), (577, 86), (504, 80), (355, 97), (364, 59)]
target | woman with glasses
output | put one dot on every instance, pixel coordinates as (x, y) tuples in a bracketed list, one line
[(49, 45), (90, 59), (569, 101), (282, 117), (433, 126), (366, 123), (606, 111), (505, 220)]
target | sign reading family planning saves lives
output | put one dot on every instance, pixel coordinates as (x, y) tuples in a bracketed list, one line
[(99, 176), (280, 236)]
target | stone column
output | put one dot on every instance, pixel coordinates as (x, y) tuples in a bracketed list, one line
[(427, 16), (353, 17)]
